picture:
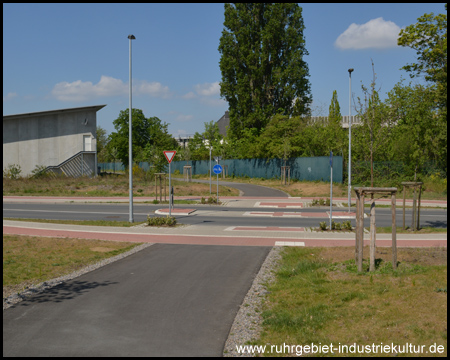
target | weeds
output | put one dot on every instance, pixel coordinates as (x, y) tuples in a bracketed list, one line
[(211, 200), (161, 221)]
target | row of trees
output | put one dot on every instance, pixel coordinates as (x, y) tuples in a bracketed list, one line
[(264, 80)]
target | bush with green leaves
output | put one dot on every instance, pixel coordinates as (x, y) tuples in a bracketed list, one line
[(12, 171), (161, 221), (39, 172), (347, 225), (211, 200)]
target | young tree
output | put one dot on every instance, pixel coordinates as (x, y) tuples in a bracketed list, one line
[(263, 71), (278, 138), (377, 120), (102, 142)]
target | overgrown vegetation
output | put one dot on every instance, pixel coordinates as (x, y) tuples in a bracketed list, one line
[(106, 185), (318, 297)]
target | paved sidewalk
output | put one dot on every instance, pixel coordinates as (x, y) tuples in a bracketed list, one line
[(216, 235)]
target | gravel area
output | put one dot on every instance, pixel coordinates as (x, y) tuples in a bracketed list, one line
[(247, 323), (36, 289)]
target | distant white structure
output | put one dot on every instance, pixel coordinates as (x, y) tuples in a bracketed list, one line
[(64, 141), (224, 122), (344, 122)]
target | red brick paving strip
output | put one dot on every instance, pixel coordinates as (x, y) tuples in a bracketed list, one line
[(209, 240)]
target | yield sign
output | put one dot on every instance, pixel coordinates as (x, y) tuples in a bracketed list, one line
[(169, 155)]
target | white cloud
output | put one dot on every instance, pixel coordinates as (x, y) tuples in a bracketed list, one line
[(189, 95), (376, 33), (107, 86), (10, 96), (208, 89), (207, 94), (154, 89)]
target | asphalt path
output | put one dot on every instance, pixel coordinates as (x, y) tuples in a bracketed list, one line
[(166, 300), (207, 214), (245, 189)]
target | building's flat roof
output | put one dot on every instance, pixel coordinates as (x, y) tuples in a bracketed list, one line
[(41, 113)]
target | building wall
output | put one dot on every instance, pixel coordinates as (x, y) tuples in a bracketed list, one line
[(47, 138)]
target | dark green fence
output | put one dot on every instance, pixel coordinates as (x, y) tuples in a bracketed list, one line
[(304, 168)]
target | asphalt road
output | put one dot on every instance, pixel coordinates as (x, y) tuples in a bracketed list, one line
[(166, 300), (206, 214)]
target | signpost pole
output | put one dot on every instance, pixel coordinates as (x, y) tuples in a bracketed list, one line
[(331, 188), (217, 184), (170, 197), (217, 170), (169, 156)]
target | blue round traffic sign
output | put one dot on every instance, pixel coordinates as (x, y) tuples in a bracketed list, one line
[(217, 169)]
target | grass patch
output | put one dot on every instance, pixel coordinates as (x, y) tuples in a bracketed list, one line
[(346, 226), (319, 297), (117, 185), (106, 186), (31, 260)]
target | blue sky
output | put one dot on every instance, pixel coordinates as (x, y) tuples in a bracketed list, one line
[(59, 56)]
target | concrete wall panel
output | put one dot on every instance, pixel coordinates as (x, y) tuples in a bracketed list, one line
[(47, 138)]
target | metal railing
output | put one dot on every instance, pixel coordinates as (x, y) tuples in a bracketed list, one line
[(82, 163)]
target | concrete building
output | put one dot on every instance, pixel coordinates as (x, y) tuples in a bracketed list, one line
[(223, 123), (63, 140)]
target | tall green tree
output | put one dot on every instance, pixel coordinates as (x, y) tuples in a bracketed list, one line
[(420, 135), (428, 37), (262, 64), (334, 115), (150, 138)]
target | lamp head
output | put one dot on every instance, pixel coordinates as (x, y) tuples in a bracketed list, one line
[(131, 37), (350, 71)]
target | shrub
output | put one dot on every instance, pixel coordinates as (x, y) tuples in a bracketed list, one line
[(323, 225), (347, 225), (211, 200), (161, 221), (39, 172), (12, 172)]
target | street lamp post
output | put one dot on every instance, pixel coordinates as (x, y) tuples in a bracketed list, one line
[(130, 144), (350, 141)]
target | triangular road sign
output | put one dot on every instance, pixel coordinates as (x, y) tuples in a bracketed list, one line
[(169, 155)]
